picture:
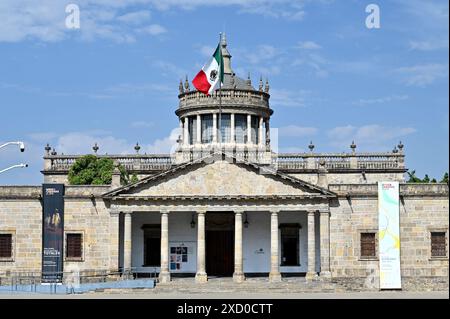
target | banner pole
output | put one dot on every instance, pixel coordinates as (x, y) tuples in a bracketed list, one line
[(220, 93)]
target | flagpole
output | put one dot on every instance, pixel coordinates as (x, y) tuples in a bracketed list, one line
[(220, 92)]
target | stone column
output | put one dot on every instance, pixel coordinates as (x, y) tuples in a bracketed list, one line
[(182, 131), (201, 275), (127, 243), (274, 275), (186, 132), (249, 129), (232, 129), (238, 275), (311, 274), (215, 128), (199, 129), (164, 274), (114, 241), (260, 131), (325, 244), (267, 132)]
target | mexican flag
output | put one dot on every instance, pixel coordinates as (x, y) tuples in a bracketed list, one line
[(211, 75)]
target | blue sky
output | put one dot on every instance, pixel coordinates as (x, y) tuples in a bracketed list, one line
[(115, 80)]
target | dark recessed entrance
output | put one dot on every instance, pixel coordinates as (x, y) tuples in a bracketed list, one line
[(219, 244)]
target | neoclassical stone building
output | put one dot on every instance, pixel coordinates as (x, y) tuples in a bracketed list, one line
[(225, 204)]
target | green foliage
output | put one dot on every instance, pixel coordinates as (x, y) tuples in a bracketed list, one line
[(91, 170), (134, 179), (414, 179)]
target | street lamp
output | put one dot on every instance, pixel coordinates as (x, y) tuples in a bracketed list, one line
[(20, 144), (14, 166)]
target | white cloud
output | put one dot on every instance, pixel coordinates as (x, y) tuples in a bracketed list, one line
[(165, 145), (282, 97), (381, 100), (308, 45), (296, 131), (137, 17), (206, 50), (154, 29), (429, 45), (422, 75), (367, 137)]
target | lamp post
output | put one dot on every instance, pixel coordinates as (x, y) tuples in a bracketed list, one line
[(22, 149), (14, 166), (20, 144)]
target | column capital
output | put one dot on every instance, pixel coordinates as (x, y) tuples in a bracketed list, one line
[(127, 213), (274, 211), (164, 211), (201, 212), (239, 211), (114, 213), (324, 212), (312, 211)]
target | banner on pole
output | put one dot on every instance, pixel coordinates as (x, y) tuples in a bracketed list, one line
[(52, 232), (389, 235)]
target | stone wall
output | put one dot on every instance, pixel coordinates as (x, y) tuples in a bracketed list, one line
[(423, 208)]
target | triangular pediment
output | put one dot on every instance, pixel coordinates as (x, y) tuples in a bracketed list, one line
[(223, 177)]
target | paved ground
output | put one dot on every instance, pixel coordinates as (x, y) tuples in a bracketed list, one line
[(252, 288)]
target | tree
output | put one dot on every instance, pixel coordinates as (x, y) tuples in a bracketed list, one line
[(413, 178), (426, 179), (91, 170), (445, 178)]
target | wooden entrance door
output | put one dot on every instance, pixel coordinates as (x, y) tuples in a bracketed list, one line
[(220, 252)]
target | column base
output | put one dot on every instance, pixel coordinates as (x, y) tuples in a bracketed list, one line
[(325, 274), (311, 276), (201, 277), (164, 277), (238, 277), (274, 277)]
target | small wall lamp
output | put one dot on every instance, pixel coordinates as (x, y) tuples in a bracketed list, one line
[(192, 222), (246, 221)]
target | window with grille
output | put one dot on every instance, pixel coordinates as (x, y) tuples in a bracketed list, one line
[(240, 123), (5, 245), (207, 128), (225, 128), (192, 127), (438, 244), (368, 248), (255, 126), (74, 245)]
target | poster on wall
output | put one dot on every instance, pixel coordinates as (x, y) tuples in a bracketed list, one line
[(389, 235), (182, 256), (52, 232)]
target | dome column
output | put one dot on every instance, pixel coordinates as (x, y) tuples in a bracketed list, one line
[(260, 132), (199, 129), (249, 129), (186, 132), (232, 130)]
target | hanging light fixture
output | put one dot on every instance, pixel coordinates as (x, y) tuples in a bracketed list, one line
[(192, 222), (246, 221)]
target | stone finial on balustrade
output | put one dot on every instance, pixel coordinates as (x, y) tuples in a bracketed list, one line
[(249, 81), (233, 82), (400, 146), (47, 149), (261, 86), (137, 147), (180, 87), (266, 89), (186, 85), (353, 147), (395, 150), (54, 153), (95, 148), (311, 146)]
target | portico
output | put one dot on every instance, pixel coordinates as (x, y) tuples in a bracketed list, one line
[(271, 232)]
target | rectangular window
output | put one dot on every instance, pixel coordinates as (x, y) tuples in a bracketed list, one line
[(240, 123), (438, 244), (5, 245), (290, 245), (368, 248), (74, 246), (207, 128), (255, 126), (225, 128), (192, 127)]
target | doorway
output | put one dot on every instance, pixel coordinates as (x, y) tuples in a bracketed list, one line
[(219, 244)]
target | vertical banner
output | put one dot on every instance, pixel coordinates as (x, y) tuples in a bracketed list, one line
[(52, 232), (389, 235)]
